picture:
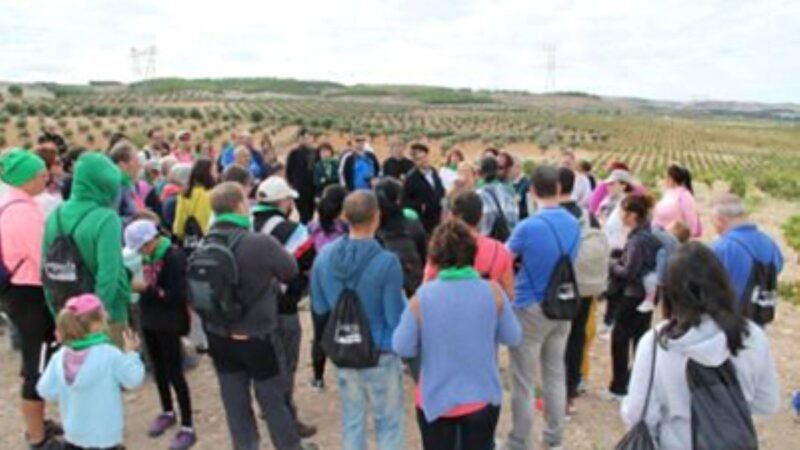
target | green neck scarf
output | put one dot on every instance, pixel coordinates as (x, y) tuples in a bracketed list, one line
[(261, 207), (161, 250), (126, 180), (90, 340), (453, 167), (235, 219), (458, 273)]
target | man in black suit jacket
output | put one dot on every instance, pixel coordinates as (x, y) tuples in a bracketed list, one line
[(423, 189)]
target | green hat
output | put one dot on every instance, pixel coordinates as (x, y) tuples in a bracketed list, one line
[(18, 166)]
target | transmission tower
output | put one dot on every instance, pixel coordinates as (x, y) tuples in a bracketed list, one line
[(149, 55), (550, 78)]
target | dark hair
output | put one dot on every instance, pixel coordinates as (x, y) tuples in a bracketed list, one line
[(455, 152), (226, 197), (71, 157), (490, 169), (325, 146), (115, 138), (681, 175), (237, 174), (303, 131), (618, 165), (330, 206), (545, 181), (566, 179), (420, 147), (509, 160), (389, 192), (360, 207), (467, 206), (47, 137), (696, 284), (452, 245), (200, 176), (495, 153), (585, 165), (153, 131), (638, 204)]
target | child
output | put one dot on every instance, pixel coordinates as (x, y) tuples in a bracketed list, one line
[(326, 168), (164, 319), (676, 234), (89, 389), (325, 230)]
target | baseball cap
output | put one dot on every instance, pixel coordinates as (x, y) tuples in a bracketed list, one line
[(622, 176), (139, 233), (84, 304), (274, 189), (180, 134)]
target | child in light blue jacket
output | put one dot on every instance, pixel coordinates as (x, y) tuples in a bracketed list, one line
[(87, 375)]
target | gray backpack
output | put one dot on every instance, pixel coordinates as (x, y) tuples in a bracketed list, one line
[(591, 267)]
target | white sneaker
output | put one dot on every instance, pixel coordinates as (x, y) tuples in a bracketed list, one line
[(647, 306), (611, 397)]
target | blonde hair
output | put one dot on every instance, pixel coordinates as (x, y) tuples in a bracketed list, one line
[(72, 327)]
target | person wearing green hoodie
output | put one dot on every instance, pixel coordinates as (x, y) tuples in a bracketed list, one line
[(97, 234)]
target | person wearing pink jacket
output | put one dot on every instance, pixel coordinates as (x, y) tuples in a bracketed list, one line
[(603, 188), (677, 204)]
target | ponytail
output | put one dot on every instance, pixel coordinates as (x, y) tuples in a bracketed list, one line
[(682, 176)]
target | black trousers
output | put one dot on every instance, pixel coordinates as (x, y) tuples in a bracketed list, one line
[(473, 432), (317, 354), (576, 343), (27, 310), (166, 356), (629, 326), (306, 205)]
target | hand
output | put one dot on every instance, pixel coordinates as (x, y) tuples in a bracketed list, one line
[(130, 341), (138, 286)]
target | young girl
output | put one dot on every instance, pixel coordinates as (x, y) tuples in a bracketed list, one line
[(327, 229), (326, 168), (164, 319), (86, 377)]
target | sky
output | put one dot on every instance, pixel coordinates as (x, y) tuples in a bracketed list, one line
[(659, 49)]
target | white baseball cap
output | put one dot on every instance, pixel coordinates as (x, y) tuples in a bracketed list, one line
[(139, 233), (275, 189)]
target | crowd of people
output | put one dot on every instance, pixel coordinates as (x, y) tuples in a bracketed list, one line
[(410, 270)]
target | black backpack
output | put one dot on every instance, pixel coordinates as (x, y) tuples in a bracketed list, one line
[(213, 278), (347, 339), (64, 273), (761, 292), (192, 235), (7, 274), (721, 418), (500, 229), (400, 242), (561, 298)]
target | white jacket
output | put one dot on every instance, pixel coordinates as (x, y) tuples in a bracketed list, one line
[(669, 414)]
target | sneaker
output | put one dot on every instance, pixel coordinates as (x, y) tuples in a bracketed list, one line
[(161, 424), (647, 306), (317, 386), (572, 407), (305, 431), (51, 443), (308, 446), (611, 397), (183, 440), (582, 388), (605, 331)]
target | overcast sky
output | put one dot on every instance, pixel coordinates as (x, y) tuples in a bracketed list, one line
[(664, 49)]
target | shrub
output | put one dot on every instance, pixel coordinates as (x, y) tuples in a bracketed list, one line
[(13, 108), (15, 90), (256, 116)]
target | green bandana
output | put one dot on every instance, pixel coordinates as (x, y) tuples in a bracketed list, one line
[(453, 167), (90, 340), (458, 273), (410, 214), (18, 166), (161, 250), (266, 208), (235, 219)]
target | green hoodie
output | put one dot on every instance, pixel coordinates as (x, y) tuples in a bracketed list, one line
[(95, 186)]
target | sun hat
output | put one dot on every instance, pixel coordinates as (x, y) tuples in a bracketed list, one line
[(139, 233), (275, 189)]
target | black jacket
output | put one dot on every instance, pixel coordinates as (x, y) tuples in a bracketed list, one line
[(349, 169), (423, 198), (397, 167), (638, 258), (300, 170), (163, 304)]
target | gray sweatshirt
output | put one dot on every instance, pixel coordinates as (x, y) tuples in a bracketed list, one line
[(669, 414)]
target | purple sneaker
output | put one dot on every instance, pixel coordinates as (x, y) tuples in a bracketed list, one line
[(183, 440), (161, 424)]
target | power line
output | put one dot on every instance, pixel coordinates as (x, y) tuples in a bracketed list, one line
[(550, 77), (149, 54)]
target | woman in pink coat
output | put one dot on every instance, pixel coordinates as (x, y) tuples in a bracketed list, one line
[(678, 203)]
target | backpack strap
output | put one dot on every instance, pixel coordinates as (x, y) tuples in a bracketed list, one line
[(360, 271), (496, 202), (652, 376), (272, 223), (555, 235), (488, 273), (19, 263)]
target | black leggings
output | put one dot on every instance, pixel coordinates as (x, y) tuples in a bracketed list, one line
[(576, 343), (166, 356), (317, 354), (473, 432), (629, 326), (27, 310)]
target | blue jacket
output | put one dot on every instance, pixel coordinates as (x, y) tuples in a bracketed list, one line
[(379, 279), (730, 249), (258, 168), (91, 406)]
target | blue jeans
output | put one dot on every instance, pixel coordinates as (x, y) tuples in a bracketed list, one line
[(382, 388)]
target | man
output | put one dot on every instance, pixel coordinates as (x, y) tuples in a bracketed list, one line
[(359, 261), (497, 199), (300, 174), (126, 157), (88, 216), (424, 191), (52, 133), (225, 158), (522, 186), (157, 147), (231, 155), (22, 298), (582, 192), (741, 243), (245, 352), (397, 165), (271, 217), (538, 241), (359, 167), (585, 169)]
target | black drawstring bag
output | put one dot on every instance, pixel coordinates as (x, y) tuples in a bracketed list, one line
[(639, 437)]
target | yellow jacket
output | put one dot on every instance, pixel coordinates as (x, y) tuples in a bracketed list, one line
[(198, 205)]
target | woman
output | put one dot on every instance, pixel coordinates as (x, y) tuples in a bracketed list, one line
[(703, 325), (457, 321), (678, 203), (506, 162), (620, 184), (193, 209), (602, 191), (449, 173), (466, 179), (627, 291), (400, 234), (51, 197)]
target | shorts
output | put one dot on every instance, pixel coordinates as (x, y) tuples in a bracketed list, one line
[(26, 308)]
